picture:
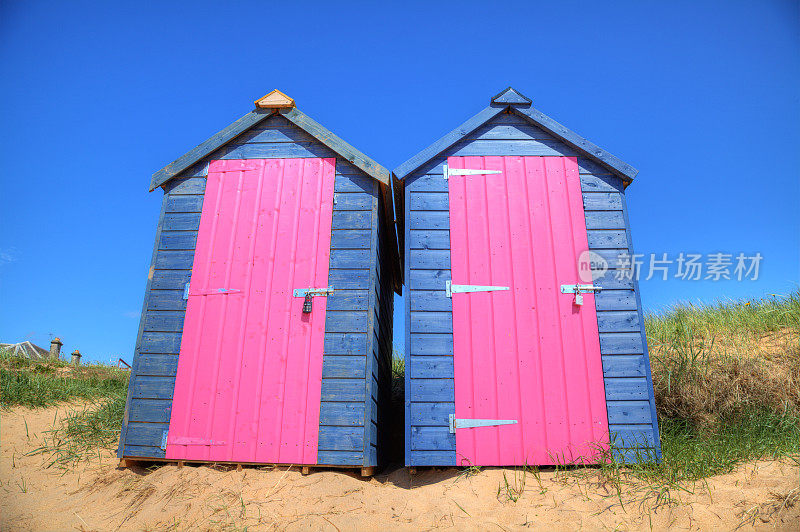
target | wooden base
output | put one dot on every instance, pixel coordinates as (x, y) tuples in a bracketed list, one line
[(304, 469)]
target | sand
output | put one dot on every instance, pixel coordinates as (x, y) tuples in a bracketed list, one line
[(97, 496)]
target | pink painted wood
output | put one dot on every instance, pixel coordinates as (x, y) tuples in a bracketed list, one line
[(250, 369), (527, 354)]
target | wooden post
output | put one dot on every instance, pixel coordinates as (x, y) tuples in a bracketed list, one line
[(305, 470), (367, 471)]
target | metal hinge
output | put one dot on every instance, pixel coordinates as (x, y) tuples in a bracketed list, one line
[(578, 289), (209, 292), (450, 288), (465, 171), (303, 292), (185, 440), (473, 423)]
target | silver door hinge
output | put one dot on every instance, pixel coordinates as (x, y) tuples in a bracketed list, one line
[(450, 288), (473, 423), (209, 292), (465, 171), (185, 440), (303, 292), (164, 440), (579, 289)]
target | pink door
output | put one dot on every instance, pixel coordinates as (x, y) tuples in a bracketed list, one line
[(250, 369), (528, 375)]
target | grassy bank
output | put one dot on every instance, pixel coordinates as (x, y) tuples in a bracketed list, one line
[(726, 378), (85, 429), (33, 384)]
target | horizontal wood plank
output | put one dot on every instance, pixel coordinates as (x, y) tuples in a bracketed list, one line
[(343, 390)]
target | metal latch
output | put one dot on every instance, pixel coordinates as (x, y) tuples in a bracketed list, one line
[(209, 292), (308, 293), (450, 288), (472, 423), (579, 289), (465, 171)]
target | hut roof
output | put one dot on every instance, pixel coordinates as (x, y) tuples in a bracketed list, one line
[(26, 349), (511, 98), (275, 102)]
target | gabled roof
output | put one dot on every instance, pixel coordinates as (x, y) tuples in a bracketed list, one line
[(522, 105), (283, 105), (26, 349)]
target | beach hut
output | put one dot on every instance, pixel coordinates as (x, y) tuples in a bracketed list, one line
[(524, 332), (266, 331)]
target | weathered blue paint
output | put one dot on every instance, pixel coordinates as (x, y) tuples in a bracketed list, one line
[(267, 141), (564, 141), (357, 346), (513, 129)]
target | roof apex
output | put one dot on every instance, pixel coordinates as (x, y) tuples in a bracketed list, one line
[(274, 100), (273, 103), (512, 97)]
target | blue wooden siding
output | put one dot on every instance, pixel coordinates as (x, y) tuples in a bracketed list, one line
[(348, 415), (429, 339)]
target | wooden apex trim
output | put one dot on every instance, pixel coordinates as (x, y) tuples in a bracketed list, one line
[(274, 100)]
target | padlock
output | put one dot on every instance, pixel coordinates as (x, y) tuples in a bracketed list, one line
[(307, 304)]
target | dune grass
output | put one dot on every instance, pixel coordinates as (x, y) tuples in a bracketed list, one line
[(35, 383), (84, 430), (84, 433), (714, 364)]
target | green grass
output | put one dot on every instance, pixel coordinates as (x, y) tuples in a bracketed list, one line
[(691, 454), (82, 432), (775, 312), (40, 384)]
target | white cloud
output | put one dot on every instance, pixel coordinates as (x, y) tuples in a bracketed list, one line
[(8, 255)]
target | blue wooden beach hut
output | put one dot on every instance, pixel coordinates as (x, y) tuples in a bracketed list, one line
[(474, 395), (364, 270)]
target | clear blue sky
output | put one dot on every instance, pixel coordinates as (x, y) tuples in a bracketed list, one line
[(702, 97)]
